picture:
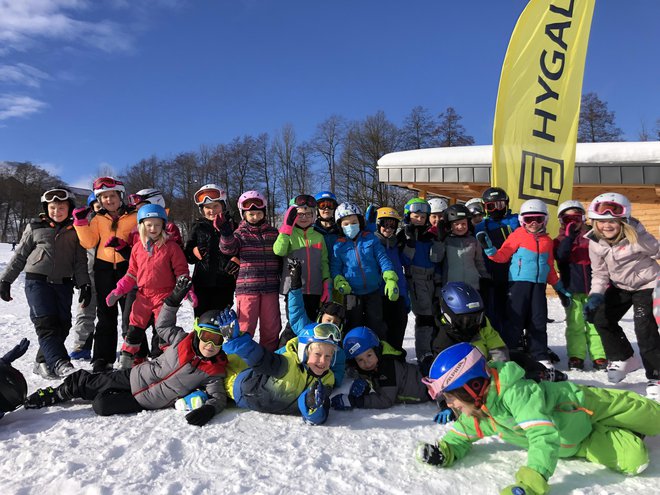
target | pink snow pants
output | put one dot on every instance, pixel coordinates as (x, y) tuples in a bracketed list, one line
[(266, 309)]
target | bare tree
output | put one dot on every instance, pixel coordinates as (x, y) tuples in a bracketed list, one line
[(644, 132), (596, 121), (419, 129), (450, 131), (284, 149), (326, 142), (266, 169)]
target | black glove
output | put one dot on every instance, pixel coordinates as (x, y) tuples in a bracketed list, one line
[(444, 228), (564, 299), (85, 296), (16, 352), (5, 291), (200, 416), (431, 454), (181, 288), (572, 230), (295, 271), (409, 232), (233, 266)]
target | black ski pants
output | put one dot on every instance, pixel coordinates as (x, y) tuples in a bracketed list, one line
[(110, 392)]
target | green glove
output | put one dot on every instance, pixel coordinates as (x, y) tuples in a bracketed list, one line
[(528, 482), (342, 285), (392, 290)]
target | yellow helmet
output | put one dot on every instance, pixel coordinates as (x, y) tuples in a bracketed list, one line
[(387, 212)]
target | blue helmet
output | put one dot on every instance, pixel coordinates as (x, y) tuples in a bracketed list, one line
[(359, 340), (326, 195), (151, 211), (456, 367), (324, 333), (91, 199), (462, 307)]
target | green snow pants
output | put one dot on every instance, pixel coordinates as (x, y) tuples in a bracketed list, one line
[(581, 335), (620, 420)]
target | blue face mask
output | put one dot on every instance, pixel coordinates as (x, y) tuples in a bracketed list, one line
[(351, 230)]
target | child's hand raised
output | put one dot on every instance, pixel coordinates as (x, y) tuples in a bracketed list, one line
[(181, 289)]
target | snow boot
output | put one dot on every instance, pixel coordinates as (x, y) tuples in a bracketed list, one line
[(63, 368), (43, 371), (617, 370), (600, 364), (653, 390), (575, 363)]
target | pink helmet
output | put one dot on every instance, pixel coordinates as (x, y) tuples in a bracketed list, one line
[(251, 200)]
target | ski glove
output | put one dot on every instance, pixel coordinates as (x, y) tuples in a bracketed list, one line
[(359, 387), (124, 286), (201, 416), (564, 295), (181, 288), (85, 295), (341, 402), (486, 243), (572, 230), (430, 454), (391, 286), (528, 482), (222, 225), (593, 303), (295, 272), (342, 285), (18, 350), (5, 291), (200, 252), (316, 395), (192, 401), (370, 215), (445, 416), (116, 242), (228, 323), (289, 221), (80, 216), (409, 232), (233, 266)]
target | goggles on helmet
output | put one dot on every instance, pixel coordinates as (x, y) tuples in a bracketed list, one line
[(208, 334), (327, 331), (327, 204), (419, 208), (136, 199), (572, 218), (252, 204), (468, 320), (106, 183), (206, 196), (533, 217), (495, 205), (56, 195), (304, 200), (439, 386), (614, 209)]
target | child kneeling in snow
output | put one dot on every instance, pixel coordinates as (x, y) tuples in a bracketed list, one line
[(550, 420), (299, 381), (192, 360), (385, 377)]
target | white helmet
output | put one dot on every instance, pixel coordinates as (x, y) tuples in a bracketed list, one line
[(476, 206), (347, 209), (149, 196), (610, 205), (210, 193), (438, 205), (533, 206), (571, 204), (105, 184)]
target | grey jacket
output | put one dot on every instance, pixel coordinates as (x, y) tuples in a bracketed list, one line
[(628, 266), (179, 370), (49, 249), (462, 260)]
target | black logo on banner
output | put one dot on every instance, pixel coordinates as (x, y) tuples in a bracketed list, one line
[(541, 177)]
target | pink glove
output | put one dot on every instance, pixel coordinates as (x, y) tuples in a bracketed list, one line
[(80, 216), (192, 297), (289, 220), (116, 243), (124, 286), (325, 296)]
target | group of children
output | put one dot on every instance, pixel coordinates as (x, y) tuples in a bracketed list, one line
[(474, 276)]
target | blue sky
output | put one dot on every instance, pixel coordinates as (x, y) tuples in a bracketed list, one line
[(87, 84)]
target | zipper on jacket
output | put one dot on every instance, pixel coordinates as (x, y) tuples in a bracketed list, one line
[(357, 257), (309, 262)]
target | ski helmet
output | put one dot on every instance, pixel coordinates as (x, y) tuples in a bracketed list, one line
[(387, 213), (252, 200), (326, 196), (151, 211), (459, 366), (324, 333), (416, 205), (347, 209), (533, 208), (13, 387), (148, 196), (495, 194), (438, 205), (333, 309), (105, 184), (208, 328), (610, 205), (476, 206), (91, 199), (456, 212), (210, 193), (462, 307), (60, 193), (359, 340)]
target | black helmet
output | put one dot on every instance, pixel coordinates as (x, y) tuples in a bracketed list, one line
[(456, 212), (495, 194), (334, 309), (13, 388)]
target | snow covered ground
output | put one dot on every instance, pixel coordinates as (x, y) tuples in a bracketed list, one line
[(68, 449)]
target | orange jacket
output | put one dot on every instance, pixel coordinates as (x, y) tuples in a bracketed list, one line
[(101, 228)]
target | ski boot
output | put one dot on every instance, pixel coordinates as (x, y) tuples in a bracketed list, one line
[(44, 397), (600, 364), (575, 363)]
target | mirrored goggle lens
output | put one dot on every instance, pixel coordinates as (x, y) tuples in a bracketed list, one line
[(106, 182), (207, 336), (533, 218), (207, 196), (136, 199), (468, 321), (389, 223), (56, 195), (327, 204), (495, 205), (616, 209), (252, 204), (327, 331), (571, 218), (305, 200), (419, 208)]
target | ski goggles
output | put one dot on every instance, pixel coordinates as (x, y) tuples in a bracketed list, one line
[(208, 334), (304, 200), (438, 386), (252, 204), (327, 204), (327, 331), (106, 183), (208, 196), (419, 208), (388, 223), (56, 195), (611, 207), (467, 321), (572, 218), (136, 199), (533, 218), (495, 205)]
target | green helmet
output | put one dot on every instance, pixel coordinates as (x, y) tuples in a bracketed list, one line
[(416, 205)]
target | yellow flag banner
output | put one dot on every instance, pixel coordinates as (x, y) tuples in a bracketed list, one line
[(538, 103)]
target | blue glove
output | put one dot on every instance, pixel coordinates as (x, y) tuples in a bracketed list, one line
[(228, 323), (486, 243), (445, 416), (341, 402), (359, 387), (370, 214), (16, 352), (194, 400), (564, 295), (593, 303), (315, 395)]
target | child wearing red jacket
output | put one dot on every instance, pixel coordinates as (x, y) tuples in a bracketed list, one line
[(155, 264), (529, 249)]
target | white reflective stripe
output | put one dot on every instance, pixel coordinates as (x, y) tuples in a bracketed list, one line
[(459, 369)]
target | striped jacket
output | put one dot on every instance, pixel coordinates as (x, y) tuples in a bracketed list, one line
[(260, 266)]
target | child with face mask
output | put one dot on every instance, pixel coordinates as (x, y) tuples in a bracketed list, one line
[(358, 265)]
